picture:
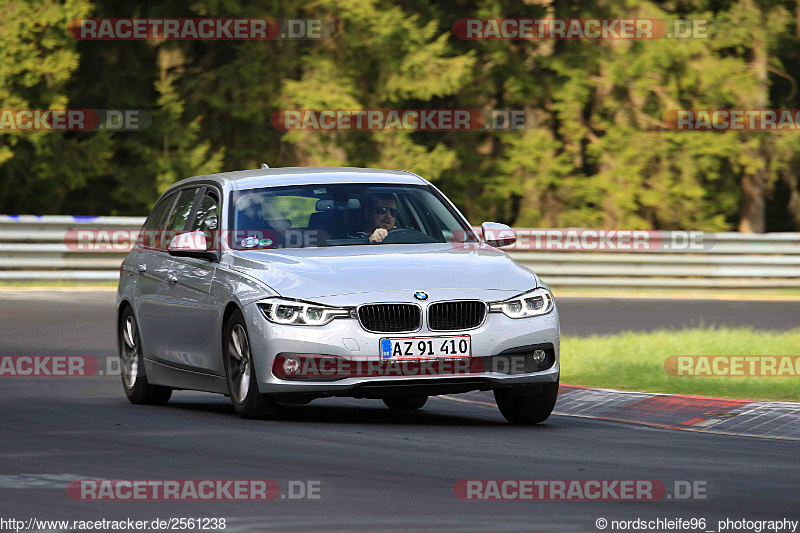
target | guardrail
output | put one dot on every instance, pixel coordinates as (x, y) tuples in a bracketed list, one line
[(43, 248)]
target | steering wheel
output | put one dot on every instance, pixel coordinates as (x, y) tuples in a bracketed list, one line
[(401, 235)]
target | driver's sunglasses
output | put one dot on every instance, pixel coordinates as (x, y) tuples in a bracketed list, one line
[(382, 210)]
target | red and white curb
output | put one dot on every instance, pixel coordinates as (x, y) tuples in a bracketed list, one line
[(777, 420)]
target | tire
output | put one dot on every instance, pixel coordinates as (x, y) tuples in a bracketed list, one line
[(134, 380), (405, 403), (240, 373), (519, 407)]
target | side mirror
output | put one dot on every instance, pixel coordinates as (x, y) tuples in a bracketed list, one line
[(192, 244), (497, 235)]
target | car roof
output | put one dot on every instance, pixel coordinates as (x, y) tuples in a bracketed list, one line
[(276, 177)]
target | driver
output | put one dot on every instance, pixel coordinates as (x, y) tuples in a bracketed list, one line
[(381, 216)]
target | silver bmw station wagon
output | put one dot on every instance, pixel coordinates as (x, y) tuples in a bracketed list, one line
[(279, 286)]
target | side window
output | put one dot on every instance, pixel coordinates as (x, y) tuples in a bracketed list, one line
[(207, 218), (150, 236), (183, 208), (178, 217)]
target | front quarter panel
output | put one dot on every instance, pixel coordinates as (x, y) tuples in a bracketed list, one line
[(232, 288)]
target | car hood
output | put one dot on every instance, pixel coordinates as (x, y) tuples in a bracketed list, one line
[(313, 273)]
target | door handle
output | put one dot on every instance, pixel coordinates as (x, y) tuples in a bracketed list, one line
[(172, 277), (142, 268)]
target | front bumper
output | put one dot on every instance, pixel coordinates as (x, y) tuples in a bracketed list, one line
[(345, 338)]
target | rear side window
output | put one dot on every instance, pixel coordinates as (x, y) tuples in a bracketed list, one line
[(183, 208), (150, 236), (206, 218), (178, 219)]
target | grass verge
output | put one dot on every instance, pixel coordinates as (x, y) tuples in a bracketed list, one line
[(66, 284), (635, 362)]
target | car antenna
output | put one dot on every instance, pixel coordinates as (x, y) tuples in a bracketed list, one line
[(264, 165)]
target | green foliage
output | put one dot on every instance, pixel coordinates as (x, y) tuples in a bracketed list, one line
[(595, 152), (37, 59), (181, 154)]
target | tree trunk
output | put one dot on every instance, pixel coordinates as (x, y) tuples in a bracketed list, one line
[(751, 208)]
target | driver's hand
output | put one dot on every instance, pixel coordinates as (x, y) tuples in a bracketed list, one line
[(378, 235)]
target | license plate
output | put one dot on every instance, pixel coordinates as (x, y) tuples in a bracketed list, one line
[(425, 347)]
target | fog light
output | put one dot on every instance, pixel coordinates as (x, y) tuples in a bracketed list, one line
[(291, 365), (539, 355)]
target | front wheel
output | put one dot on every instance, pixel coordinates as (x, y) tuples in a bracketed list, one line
[(520, 407), (405, 403), (247, 400), (134, 380)]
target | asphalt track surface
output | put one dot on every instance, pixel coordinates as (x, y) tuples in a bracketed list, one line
[(378, 470)]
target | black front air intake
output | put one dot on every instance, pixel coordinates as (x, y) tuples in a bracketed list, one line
[(390, 318), (458, 315)]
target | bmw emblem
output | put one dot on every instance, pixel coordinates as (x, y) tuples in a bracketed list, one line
[(421, 295)]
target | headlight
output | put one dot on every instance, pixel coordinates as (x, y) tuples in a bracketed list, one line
[(534, 303), (289, 312)]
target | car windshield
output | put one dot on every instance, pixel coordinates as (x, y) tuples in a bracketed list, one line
[(341, 215)]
